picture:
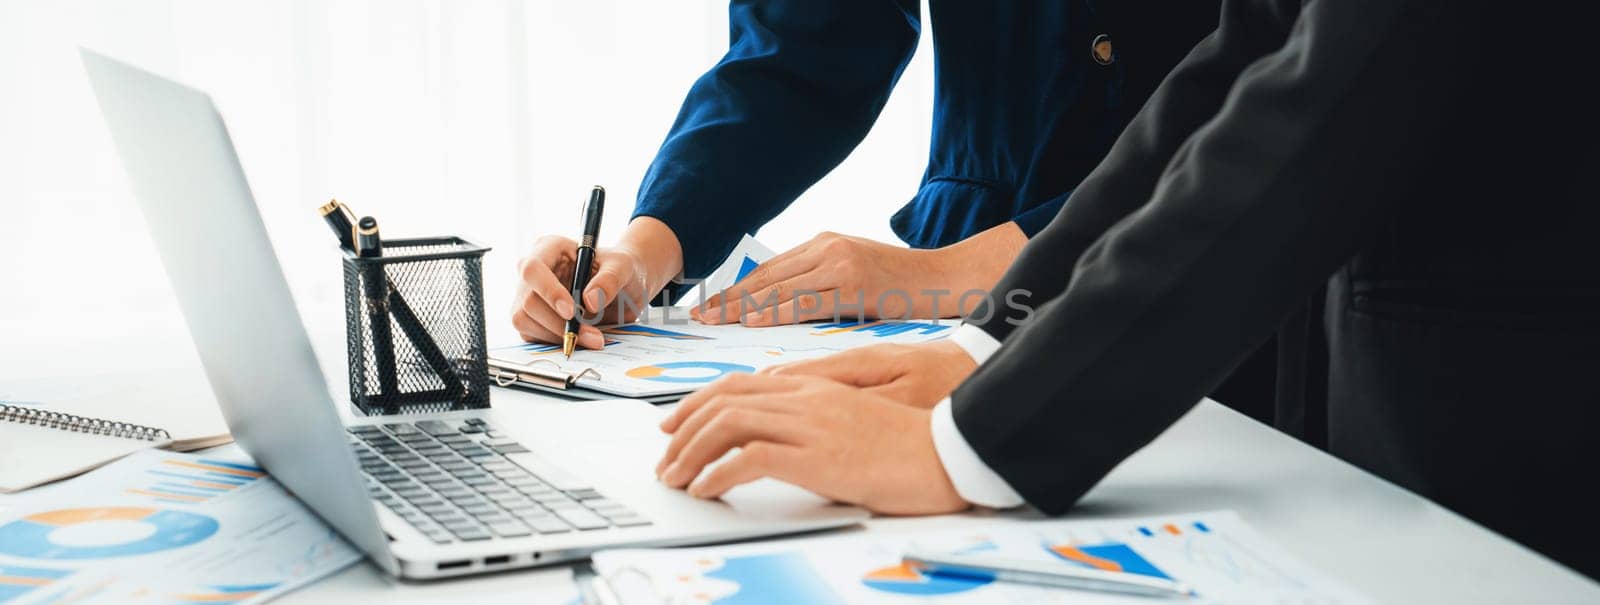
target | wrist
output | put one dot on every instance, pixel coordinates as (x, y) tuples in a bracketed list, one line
[(657, 250), (978, 262)]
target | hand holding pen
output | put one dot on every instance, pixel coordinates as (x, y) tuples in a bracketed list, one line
[(618, 291)]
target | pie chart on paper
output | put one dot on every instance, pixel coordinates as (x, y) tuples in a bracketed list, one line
[(688, 372), (102, 533)]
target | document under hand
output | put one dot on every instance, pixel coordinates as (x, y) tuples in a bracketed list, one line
[(674, 355), (665, 354)]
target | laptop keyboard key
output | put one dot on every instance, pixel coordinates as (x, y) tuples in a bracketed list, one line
[(549, 525), (630, 521), (510, 529), (511, 448), (585, 494), (401, 428), (472, 535), (438, 536), (435, 427), (582, 519), (550, 473), (602, 504), (466, 499)]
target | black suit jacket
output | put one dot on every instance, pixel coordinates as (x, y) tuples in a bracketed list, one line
[(1428, 165)]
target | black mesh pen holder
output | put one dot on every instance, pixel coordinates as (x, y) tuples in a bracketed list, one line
[(414, 327)]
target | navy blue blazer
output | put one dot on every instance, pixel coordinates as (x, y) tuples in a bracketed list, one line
[(1028, 98)]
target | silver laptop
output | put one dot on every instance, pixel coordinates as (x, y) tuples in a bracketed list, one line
[(424, 496)]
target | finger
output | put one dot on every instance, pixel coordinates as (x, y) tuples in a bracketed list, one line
[(863, 367), (705, 415), (541, 313), (800, 306), (759, 277), (605, 286), (732, 427), (530, 330), (901, 391), (733, 384), (729, 305), (790, 294), (540, 279), (590, 337), (756, 460)]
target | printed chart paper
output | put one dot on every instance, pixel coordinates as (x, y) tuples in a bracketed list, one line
[(678, 355), (746, 256), (160, 527), (1216, 553)]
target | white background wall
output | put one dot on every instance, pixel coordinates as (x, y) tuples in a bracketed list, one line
[(485, 118)]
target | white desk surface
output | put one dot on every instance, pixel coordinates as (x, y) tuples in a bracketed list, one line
[(1392, 545)]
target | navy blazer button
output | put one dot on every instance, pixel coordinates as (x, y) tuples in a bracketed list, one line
[(1101, 50)]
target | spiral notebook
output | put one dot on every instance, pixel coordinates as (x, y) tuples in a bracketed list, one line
[(39, 446), (56, 427)]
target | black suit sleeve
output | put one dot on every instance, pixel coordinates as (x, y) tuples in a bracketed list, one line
[(1256, 207), (1189, 96)]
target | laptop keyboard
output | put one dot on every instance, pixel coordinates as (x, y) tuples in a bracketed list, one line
[(454, 483)]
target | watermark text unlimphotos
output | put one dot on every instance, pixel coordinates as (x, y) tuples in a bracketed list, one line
[(977, 306)]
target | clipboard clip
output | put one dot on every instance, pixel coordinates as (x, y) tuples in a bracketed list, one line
[(505, 373)]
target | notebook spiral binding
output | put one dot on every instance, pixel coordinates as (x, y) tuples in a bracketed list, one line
[(80, 424)]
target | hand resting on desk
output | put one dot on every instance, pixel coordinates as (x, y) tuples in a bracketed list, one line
[(839, 441), (918, 375)]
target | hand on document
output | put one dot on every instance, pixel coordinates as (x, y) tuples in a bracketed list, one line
[(918, 375), (841, 442), (815, 279)]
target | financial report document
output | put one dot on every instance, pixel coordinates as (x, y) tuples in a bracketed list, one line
[(161, 527), (665, 353), (1215, 553), (673, 354)]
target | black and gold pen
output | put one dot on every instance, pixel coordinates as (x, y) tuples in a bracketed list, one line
[(342, 221), (585, 264)]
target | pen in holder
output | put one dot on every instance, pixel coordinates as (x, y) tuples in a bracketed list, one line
[(414, 327)]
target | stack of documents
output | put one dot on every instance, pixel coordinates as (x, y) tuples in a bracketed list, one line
[(159, 527), (1216, 554)]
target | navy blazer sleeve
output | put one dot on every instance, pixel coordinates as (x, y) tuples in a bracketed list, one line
[(800, 86), (1304, 158)]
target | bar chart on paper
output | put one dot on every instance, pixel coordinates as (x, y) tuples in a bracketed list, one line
[(175, 480), (1216, 553)]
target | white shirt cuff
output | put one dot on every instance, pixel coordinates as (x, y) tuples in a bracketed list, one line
[(974, 480), (976, 342)]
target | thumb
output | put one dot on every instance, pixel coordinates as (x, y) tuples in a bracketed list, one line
[(605, 287)]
